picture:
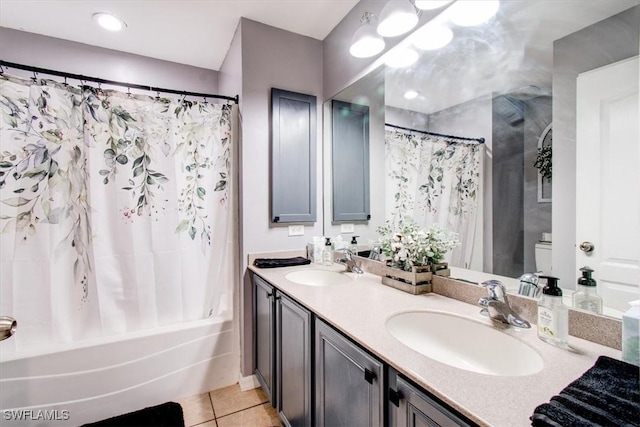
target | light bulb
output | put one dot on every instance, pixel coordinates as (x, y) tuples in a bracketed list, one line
[(401, 58), (397, 18), (431, 4), (366, 42), (432, 36)]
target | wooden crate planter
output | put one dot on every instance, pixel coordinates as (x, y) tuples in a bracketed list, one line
[(417, 281), (441, 269)]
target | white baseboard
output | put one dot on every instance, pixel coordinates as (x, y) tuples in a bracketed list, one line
[(248, 383)]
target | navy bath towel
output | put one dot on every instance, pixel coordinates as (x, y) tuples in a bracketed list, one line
[(608, 394)]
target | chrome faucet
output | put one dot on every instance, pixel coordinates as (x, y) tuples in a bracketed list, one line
[(497, 307), (349, 262)]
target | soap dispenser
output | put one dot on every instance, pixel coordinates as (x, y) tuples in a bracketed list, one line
[(553, 315), (327, 252), (585, 297), (353, 246)]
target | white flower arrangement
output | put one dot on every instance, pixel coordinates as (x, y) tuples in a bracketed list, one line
[(408, 245)]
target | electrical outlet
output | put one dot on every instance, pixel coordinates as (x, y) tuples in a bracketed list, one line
[(296, 230), (347, 228)]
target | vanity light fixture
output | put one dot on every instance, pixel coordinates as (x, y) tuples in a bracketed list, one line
[(397, 18), (366, 42), (432, 36), (467, 13), (411, 94), (401, 58), (431, 4), (109, 22)]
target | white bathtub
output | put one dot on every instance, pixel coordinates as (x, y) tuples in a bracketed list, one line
[(111, 376)]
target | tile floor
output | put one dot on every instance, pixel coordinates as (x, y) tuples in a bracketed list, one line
[(229, 407)]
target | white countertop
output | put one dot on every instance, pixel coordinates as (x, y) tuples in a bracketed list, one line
[(360, 310)]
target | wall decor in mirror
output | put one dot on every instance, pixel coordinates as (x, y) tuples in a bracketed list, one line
[(506, 80)]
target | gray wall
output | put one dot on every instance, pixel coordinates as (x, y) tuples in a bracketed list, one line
[(537, 216), (406, 118), (270, 58), (508, 183), (603, 43), (77, 58)]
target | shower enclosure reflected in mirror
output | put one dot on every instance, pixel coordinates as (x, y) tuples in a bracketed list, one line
[(506, 81)]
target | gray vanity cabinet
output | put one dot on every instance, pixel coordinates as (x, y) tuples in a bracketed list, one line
[(348, 382), (264, 335), (411, 407), (293, 362)]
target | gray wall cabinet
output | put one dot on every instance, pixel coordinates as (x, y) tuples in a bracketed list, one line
[(293, 157), (348, 382), (265, 334), (293, 360), (411, 407), (350, 162)]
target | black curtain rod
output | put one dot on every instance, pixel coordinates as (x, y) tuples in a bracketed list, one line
[(113, 82), (478, 140)]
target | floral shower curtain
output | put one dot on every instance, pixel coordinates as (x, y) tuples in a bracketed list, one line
[(433, 180), (115, 211)]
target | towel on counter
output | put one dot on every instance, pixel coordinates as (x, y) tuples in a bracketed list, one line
[(608, 394), (280, 262)]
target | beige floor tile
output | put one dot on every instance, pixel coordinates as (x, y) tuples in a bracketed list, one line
[(259, 416), (211, 423), (230, 399), (196, 409)]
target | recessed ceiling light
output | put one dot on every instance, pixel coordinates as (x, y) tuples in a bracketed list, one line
[(473, 12), (411, 94), (109, 22)]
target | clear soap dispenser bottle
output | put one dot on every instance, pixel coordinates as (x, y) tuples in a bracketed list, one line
[(327, 252), (585, 297), (353, 246), (553, 316)]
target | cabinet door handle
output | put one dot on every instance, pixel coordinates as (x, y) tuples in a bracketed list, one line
[(269, 295), (369, 376), (395, 397)]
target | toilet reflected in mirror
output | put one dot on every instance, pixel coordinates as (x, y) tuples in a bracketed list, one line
[(543, 257)]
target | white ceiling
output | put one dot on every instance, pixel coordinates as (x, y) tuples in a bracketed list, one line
[(192, 32)]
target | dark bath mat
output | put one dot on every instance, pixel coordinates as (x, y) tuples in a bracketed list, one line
[(166, 415)]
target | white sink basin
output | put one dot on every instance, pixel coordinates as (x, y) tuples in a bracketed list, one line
[(318, 277), (464, 343)]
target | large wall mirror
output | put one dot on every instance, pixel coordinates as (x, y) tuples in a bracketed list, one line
[(497, 93)]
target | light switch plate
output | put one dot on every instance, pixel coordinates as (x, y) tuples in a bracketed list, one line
[(296, 230), (347, 228)]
